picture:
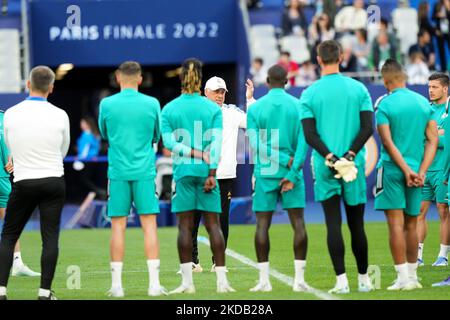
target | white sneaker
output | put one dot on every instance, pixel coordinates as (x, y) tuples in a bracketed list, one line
[(23, 271), (340, 290), (116, 292), (224, 288), (262, 287), (301, 287), (157, 291), (365, 286), (398, 285), (184, 289)]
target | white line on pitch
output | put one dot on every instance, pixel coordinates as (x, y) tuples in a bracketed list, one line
[(274, 273)]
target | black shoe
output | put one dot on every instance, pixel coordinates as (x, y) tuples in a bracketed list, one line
[(3, 298), (50, 297)]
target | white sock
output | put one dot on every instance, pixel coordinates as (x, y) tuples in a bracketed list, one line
[(153, 272), (402, 272), (44, 293), (420, 252), (17, 261), (263, 272), (186, 274), (2, 291), (363, 278), (299, 266), (221, 273), (116, 273), (341, 280), (444, 251), (412, 270)]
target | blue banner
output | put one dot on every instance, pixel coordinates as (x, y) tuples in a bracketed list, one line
[(157, 32)]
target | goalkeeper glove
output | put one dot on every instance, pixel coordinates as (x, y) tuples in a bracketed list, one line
[(346, 170)]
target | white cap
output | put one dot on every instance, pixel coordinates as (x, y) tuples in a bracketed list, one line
[(216, 83)]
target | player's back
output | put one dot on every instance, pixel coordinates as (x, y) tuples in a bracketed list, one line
[(131, 126), (194, 122), (276, 116), (193, 114), (335, 102), (407, 113)]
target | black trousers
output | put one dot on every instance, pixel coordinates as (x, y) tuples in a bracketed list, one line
[(48, 194), (226, 190)]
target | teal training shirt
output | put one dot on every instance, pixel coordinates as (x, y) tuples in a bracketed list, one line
[(407, 113), (130, 121), (439, 115), (335, 102), (3, 149), (192, 122), (276, 134)]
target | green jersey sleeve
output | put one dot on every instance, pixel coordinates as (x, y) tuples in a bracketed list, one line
[(306, 110)]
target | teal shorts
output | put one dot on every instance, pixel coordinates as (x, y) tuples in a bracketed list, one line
[(122, 194), (392, 192), (188, 195), (267, 193), (5, 190), (327, 186), (434, 188)]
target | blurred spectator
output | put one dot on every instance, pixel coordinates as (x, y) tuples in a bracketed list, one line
[(258, 72), (351, 18), (381, 51), (424, 46), (384, 27), (417, 70), (88, 144), (424, 19), (349, 62), (88, 148), (307, 74), (361, 49), (441, 15), (291, 67), (320, 30), (293, 20)]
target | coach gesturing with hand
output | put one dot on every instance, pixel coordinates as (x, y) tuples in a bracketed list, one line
[(37, 134)]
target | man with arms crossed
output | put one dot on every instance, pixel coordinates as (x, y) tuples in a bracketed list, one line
[(404, 122), (130, 121)]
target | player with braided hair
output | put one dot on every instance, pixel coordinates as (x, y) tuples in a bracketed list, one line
[(192, 131)]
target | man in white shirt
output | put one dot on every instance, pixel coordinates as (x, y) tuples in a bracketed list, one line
[(38, 136), (233, 120), (351, 18)]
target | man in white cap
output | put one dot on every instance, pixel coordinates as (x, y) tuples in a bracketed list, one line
[(233, 119)]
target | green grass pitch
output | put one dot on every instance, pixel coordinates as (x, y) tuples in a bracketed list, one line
[(89, 249)]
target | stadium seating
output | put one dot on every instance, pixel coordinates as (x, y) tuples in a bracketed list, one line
[(264, 43), (10, 61), (297, 46)]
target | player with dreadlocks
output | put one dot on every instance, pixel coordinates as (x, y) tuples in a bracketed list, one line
[(192, 131)]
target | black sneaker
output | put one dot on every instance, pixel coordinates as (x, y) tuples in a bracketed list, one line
[(50, 297)]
